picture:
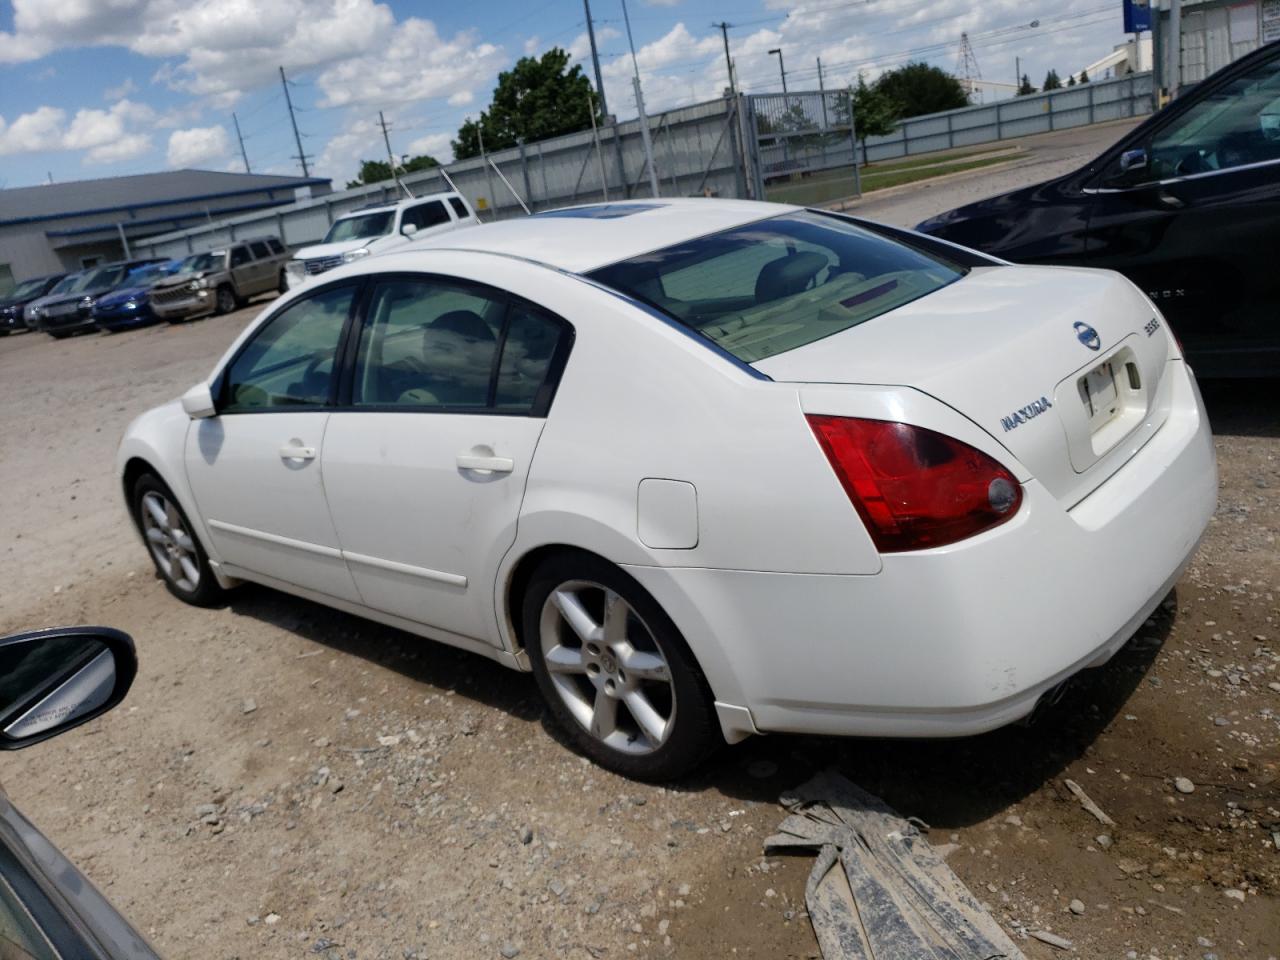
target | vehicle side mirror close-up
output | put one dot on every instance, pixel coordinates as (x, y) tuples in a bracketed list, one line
[(54, 680), (409, 230), (1133, 161), (198, 402)]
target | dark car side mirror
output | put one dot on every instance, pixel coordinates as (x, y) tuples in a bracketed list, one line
[(1133, 161), (51, 681)]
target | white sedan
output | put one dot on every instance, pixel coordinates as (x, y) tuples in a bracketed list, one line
[(707, 468)]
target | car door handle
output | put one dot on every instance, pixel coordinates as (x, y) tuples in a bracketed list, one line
[(295, 451), (470, 461)]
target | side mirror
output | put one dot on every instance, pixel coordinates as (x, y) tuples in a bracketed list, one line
[(54, 680), (198, 402), (1132, 161), (409, 230)]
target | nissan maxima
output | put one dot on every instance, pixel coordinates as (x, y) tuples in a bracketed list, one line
[(707, 468)]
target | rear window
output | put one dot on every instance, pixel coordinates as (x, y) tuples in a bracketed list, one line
[(459, 208), (260, 249), (779, 284)]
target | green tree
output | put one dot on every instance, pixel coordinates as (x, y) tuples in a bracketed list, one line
[(1084, 76), (1071, 81), (919, 88), (376, 171), (1051, 81), (1025, 88), (875, 113), (537, 98)]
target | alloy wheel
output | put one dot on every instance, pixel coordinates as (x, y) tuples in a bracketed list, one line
[(170, 542), (606, 667)]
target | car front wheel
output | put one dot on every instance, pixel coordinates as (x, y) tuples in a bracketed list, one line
[(615, 672), (225, 299), (179, 558)]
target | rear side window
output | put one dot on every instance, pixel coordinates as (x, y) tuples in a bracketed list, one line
[(426, 215), (259, 248), (459, 208), (434, 344), (779, 284), (274, 245)]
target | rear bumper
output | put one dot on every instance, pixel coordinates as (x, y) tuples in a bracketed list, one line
[(965, 638)]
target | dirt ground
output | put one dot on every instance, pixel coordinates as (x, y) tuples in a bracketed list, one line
[(287, 781)]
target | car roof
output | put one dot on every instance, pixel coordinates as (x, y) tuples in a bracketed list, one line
[(584, 238)]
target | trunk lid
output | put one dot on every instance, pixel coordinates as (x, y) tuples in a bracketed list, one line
[(1063, 366)]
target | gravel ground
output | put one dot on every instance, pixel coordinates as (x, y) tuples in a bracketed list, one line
[(287, 781)]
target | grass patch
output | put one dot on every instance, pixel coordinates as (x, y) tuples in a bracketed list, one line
[(836, 184)]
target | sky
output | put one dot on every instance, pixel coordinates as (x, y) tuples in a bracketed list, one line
[(96, 88)]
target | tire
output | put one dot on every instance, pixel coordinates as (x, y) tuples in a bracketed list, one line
[(177, 553), (57, 334), (637, 657), (283, 286), (226, 299)]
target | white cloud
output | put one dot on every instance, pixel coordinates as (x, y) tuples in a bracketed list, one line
[(120, 90), (105, 136), (41, 129), (531, 46), (438, 145), (117, 151), (198, 145)]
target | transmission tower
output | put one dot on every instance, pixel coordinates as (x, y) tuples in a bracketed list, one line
[(967, 70)]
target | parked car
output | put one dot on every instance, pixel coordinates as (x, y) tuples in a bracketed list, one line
[(129, 305), (31, 312), (15, 301), (379, 228), (708, 468), (52, 681), (221, 280), (1187, 206), (71, 311)]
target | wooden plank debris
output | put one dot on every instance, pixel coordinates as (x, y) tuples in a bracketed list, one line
[(878, 890), (1087, 803)]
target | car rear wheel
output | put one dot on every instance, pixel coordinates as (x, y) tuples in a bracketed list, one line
[(225, 299), (282, 286), (615, 672), (175, 550)]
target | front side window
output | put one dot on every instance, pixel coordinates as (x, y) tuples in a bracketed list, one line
[(361, 227), (779, 284), (274, 245), (1238, 124), (437, 344), (289, 362), (426, 215), (239, 256)]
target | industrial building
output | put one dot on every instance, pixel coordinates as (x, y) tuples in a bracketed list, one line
[(59, 227), (1194, 39)]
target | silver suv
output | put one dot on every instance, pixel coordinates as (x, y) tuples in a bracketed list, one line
[(221, 280)]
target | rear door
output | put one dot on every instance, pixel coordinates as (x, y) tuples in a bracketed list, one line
[(425, 467), (1196, 223), (264, 271)]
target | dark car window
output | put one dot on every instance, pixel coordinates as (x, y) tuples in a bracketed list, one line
[(779, 284), (239, 256), (275, 245), (289, 362), (528, 352), (361, 227), (459, 208), (260, 249), (425, 215), (27, 290), (1236, 125)]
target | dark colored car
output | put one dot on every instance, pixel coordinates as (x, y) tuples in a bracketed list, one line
[(15, 301), (129, 305), (72, 312), (1187, 206), (50, 682)]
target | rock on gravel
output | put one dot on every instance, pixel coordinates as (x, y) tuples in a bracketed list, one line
[(1183, 785)]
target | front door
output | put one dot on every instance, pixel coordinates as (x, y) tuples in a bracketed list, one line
[(255, 467), (425, 467), (1197, 223)]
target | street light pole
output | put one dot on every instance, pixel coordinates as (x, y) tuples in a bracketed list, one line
[(781, 68)]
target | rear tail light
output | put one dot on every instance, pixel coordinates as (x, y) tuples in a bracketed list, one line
[(912, 487)]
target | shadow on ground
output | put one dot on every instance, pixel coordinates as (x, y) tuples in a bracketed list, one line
[(947, 783), (1242, 408)]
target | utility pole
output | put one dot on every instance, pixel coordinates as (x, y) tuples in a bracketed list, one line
[(595, 60), (1017, 80), (728, 61), (822, 94), (391, 157), (644, 120), (781, 68), (297, 137), (245, 156)]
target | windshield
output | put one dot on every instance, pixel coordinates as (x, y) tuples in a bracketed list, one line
[(25, 291), (98, 279), (152, 271), (772, 286), (201, 262), (67, 283), (358, 228)]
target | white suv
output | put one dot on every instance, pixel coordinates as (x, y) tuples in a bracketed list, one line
[(377, 229)]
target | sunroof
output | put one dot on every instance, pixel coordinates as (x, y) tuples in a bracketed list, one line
[(602, 211)]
